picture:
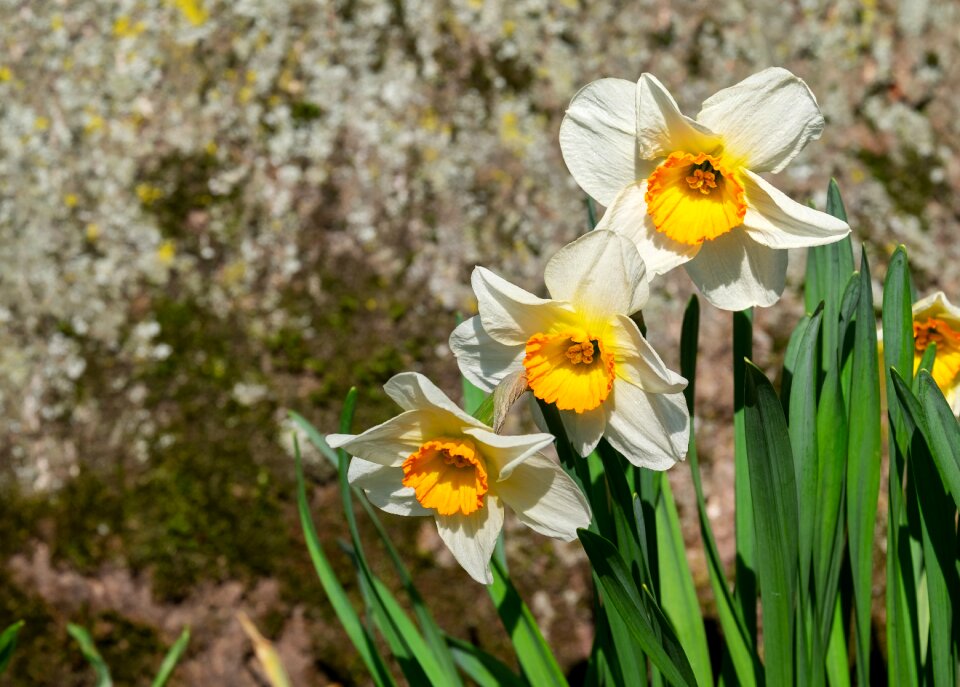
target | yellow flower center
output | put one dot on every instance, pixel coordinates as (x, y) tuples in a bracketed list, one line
[(448, 475), (569, 368), (946, 367), (694, 198)]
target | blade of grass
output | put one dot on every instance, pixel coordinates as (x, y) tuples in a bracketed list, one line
[(738, 645), (641, 615), (746, 567), (775, 516), (863, 465), (172, 658), (485, 670), (346, 614), (89, 651), (8, 642), (536, 659), (943, 434)]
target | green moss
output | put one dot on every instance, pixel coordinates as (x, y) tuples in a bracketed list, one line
[(907, 181)]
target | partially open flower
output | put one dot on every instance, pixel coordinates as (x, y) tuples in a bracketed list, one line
[(937, 320), (434, 459), (582, 352), (687, 191)]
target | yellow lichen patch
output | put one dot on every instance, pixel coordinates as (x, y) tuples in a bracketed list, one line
[(570, 368), (148, 194), (946, 366), (5, 74), (92, 232), (125, 27), (166, 252), (193, 10), (447, 475), (694, 198)]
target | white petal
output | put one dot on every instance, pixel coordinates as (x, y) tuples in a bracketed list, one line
[(482, 359), (508, 313), (506, 451), (777, 221), (765, 120), (735, 272), (628, 217), (937, 305), (601, 273), (639, 363), (471, 538), (650, 430), (545, 499), (662, 129), (413, 391), (389, 443), (584, 430), (384, 487), (598, 138)]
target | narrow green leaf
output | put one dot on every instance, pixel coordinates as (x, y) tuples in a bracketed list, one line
[(790, 361), (482, 668), (738, 643), (641, 614), (89, 651), (838, 663), (746, 567), (346, 614), (678, 594), (774, 490), (863, 465), (172, 658), (8, 642), (943, 434), (536, 659)]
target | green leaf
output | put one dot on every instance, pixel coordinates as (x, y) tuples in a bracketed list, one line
[(346, 614), (746, 567), (774, 490), (943, 434), (89, 651), (641, 614), (738, 644), (482, 668), (534, 654), (863, 465), (172, 658), (678, 595), (8, 642)]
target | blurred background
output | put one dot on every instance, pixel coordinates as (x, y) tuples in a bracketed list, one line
[(212, 212)]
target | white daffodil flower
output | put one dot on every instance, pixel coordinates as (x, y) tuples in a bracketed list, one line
[(688, 192), (582, 351), (937, 320), (434, 459)]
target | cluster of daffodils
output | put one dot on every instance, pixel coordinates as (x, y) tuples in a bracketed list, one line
[(678, 191)]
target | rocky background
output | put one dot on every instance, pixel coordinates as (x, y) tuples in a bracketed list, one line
[(212, 212)]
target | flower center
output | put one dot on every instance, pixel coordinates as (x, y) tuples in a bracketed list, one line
[(946, 366), (448, 475), (694, 198), (569, 368)]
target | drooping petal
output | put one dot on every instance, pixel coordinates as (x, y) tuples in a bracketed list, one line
[(482, 359), (509, 314), (735, 272), (662, 129), (413, 391), (383, 486), (598, 138), (584, 430), (601, 273), (639, 363), (545, 499), (471, 538), (506, 451), (765, 120), (389, 443), (628, 217), (650, 430), (776, 221)]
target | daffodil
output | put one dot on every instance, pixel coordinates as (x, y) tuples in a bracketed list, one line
[(937, 320), (688, 191), (434, 459), (581, 351)]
